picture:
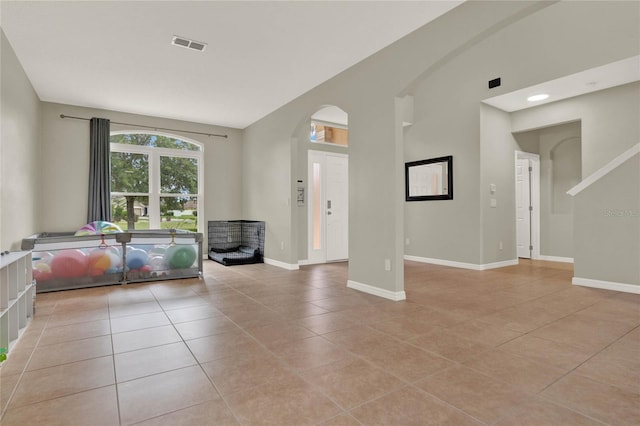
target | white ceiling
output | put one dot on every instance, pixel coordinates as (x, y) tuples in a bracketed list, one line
[(117, 55), (599, 78)]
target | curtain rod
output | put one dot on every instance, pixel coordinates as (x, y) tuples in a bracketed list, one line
[(150, 127)]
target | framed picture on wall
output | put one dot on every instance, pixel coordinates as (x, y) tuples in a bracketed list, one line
[(430, 179)]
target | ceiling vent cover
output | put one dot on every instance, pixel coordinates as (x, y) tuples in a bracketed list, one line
[(189, 44)]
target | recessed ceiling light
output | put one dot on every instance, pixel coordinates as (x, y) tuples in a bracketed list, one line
[(540, 97)]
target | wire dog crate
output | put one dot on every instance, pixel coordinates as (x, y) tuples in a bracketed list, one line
[(236, 242)]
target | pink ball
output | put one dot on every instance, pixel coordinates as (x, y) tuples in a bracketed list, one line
[(69, 264)]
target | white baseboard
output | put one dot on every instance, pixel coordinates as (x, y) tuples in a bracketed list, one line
[(556, 258), (309, 262), (606, 285), (454, 264), (380, 292), (283, 265)]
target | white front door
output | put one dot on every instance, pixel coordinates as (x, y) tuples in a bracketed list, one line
[(337, 206), (523, 206), (328, 207)]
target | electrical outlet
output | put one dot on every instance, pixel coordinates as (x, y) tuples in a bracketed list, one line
[(281, 245), (500, 245), (407, 242), (387, 264)]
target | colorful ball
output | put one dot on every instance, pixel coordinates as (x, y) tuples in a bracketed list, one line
[(180, 256), (157, 263), (99, 227), (41, 257), (99, 259), (41, 275), (136, 258), (69, 264)]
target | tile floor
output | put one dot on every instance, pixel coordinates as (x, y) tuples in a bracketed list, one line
[(260, 345)]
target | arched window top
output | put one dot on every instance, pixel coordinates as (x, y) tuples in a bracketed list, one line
[(154, 140), (330, 125)]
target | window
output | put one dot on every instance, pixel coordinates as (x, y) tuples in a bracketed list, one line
[(323, 133), (329, 125), (156, 182)]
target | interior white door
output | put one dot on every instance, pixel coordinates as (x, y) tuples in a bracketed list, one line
[(337, 206), (328, 215), (523, 208)]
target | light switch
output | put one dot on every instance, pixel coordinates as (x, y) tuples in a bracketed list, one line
[(494, 202), (492, 188)]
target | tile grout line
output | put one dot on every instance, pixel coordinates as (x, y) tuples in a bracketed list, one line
[(5, 409), (197, 362)]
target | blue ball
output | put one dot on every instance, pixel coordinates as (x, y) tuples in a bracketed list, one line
[(136, 258)]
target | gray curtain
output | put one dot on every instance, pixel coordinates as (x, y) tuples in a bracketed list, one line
[(99, 171)]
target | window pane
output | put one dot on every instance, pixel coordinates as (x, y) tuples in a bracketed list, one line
[(178, 175), (328, 134), (154, 141), (130, 212), (129, 172), (317, 208), (179, 213)]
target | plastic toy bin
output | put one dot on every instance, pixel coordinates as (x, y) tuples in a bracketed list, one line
[(63, 261)]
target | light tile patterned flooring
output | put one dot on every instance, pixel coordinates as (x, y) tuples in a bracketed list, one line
[(260, 345)]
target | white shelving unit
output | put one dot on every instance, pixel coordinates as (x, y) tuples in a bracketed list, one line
[(16, 296)]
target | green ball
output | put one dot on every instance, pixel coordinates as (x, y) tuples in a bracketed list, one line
[(180, 257)]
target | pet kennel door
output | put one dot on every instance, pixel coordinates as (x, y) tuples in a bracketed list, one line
[(328, 214)]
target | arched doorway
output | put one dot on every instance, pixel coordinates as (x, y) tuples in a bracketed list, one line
[(327, 206)]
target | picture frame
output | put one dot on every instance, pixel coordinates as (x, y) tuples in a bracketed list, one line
[(430, 179)]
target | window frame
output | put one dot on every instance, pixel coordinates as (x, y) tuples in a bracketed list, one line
[(154, 153)]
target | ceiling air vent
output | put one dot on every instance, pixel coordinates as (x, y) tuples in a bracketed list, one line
[(189, 44)]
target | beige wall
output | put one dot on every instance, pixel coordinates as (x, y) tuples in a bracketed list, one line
[(608, 127), (609, 121), (446, 70), (451, 120), (253, 174), (560, 170), (19, 154), (65, 148), (44, 163), (607, 227), (560, 150)]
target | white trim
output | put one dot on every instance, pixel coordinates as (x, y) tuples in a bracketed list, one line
[(283, 265), (326, 123), (527, 155), (600, 173), (463, 265), (556, 258), (313, 262), (535, 199), (376, 291), (607, 285), (305, 262)]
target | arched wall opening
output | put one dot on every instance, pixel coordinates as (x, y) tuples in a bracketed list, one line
[(322, 131)]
